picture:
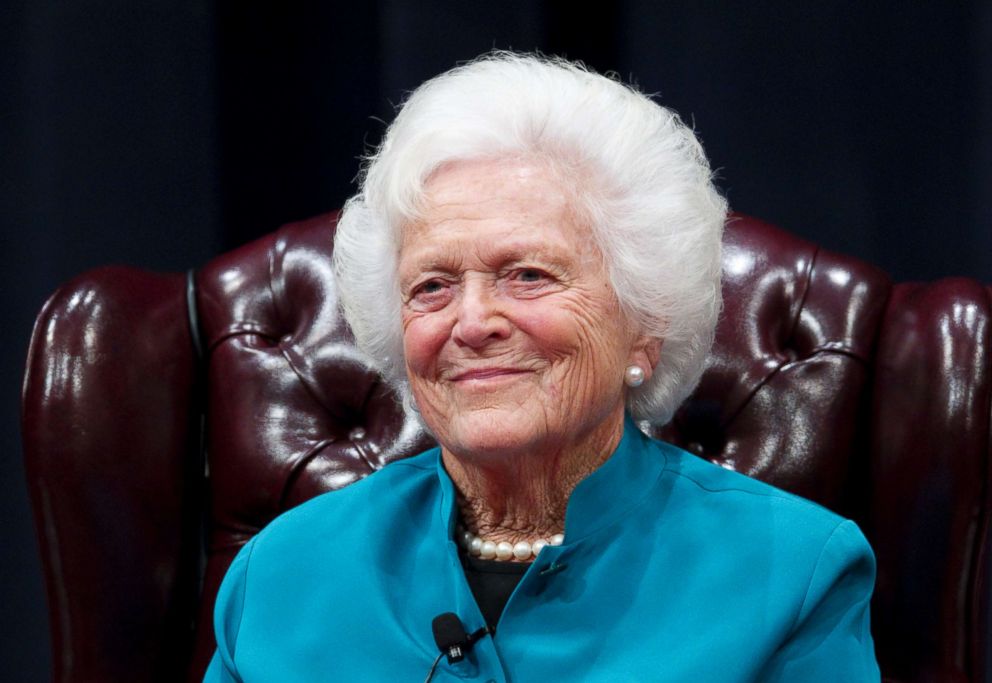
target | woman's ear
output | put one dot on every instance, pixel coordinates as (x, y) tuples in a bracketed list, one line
[(645, 353)]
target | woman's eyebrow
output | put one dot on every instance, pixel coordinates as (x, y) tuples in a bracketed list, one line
[(442, 257), (435, 260), (524, 250)]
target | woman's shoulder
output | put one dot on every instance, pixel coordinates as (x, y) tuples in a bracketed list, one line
[(799, 552), (743, 501)]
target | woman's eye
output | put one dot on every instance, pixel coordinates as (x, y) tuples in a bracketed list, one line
[(531, 275), (432, 293), (531, 282)]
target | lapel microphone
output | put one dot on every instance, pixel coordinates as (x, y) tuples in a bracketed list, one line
[(452, 639)]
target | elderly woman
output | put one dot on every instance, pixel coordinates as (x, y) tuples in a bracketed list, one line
[(533, 262)]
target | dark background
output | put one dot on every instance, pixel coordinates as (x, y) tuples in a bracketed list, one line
[(159, 133)]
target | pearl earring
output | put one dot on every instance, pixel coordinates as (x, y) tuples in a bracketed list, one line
[(633, 376)]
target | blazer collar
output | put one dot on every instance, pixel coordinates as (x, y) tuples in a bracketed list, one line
[(601, 499)]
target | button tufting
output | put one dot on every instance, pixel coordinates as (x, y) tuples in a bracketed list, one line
[(357, 434)]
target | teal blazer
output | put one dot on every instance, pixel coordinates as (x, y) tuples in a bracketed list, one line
[(673, 569)]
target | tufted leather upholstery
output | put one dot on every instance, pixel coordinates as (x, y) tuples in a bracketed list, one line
[(825, 380)]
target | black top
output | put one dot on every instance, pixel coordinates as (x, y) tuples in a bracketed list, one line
[(492, 582)]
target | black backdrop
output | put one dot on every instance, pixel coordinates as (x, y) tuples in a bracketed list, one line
[(160, 133)]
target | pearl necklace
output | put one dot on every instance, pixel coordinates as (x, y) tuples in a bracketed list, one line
[(490, 550)]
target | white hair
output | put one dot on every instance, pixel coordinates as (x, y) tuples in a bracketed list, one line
[(653, 209)]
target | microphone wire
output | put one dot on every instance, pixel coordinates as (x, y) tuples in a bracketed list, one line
[(430, 674)]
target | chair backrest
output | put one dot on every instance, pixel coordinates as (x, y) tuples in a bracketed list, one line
[(825, 380)]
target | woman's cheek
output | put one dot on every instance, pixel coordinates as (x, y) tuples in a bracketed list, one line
[(547, 325), (422, 339)]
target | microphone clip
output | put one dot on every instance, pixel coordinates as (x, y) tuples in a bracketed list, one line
[(451, 638)]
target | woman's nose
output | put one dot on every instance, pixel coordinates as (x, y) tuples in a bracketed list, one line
[(481, 318)]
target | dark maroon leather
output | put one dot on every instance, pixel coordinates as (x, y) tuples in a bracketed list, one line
[(106, 433), (930, 473), (824, 380)]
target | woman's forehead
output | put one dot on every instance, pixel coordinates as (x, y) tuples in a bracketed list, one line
[(477, 184), (440, 247), (492, 195)]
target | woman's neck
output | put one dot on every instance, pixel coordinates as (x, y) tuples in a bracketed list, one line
[(523, 497)]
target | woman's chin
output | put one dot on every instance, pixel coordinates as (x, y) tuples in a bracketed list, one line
[(492, 432)]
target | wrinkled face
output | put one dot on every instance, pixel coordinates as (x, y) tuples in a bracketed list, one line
[(513, 337)]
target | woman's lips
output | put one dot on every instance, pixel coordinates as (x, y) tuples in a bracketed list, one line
[(486, 373)]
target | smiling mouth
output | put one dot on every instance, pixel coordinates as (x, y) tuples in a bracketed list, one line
[(486, 373)]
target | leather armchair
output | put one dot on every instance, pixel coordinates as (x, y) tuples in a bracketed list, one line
[(825, 380)]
